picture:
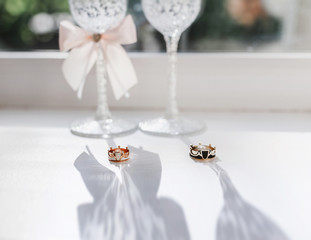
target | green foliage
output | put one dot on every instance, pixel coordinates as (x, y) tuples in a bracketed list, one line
[(213, 23), (14, 19)]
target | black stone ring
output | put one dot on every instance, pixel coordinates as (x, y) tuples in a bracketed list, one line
[(202, 152)]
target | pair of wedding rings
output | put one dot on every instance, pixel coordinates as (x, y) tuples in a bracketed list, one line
[(197, 152)]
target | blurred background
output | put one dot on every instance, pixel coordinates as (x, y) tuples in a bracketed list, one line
[(223, 25)]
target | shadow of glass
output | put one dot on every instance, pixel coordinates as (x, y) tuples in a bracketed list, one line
[(127, 207), (239, 220)]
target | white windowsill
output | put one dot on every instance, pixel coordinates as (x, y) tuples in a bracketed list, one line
[(207, 81), (54, 54)]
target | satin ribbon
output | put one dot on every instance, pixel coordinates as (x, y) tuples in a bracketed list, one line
[(83, 54)]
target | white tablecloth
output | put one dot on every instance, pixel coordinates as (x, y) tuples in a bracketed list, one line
[(54, 185)]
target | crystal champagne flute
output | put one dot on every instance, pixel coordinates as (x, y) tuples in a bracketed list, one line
[(98, 16), (171, 18)]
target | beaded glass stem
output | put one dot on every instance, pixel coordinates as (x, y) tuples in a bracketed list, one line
[(103, 112), (172, 108), (172, 124), (103, 125)]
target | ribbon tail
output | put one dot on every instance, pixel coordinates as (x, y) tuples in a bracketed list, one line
[(120, 70), (78, 64)]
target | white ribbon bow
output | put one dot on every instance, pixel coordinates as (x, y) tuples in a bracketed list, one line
[(84, 53)]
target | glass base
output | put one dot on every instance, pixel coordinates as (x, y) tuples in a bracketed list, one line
[(108, 128), (171, 127)]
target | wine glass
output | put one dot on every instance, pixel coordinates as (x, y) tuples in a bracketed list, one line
[(171, 18), (98, 16)]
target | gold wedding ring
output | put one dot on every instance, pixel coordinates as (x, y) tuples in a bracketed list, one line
[(118, 154)]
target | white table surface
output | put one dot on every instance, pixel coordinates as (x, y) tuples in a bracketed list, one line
[(52, 187)]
